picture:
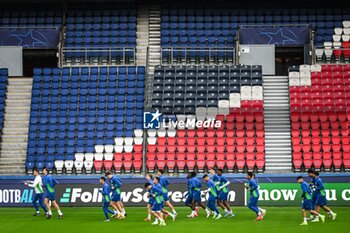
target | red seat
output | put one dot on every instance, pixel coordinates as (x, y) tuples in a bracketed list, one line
[(160, 164), (296, 148), (297, 164), (306, 148), (181, 149), (230, 156), (337, 164), (137, 165), (108, 164), (170, 156), (200, 164), (161, 140), (127, 164), (180, 165), (118, 156), (307, 163), (151, 148), (230, 164), (190, 165), (326, 148), (161, 148), (346, 147), (317, 163), (191, 141), (201, 141), (191, 133), (138, 148), (181, 141), (220, 164), (260, 141), (240, 164), (260, 164), (210, 156), (117, 165), (240, 149), (297, 155), (181, 133), (326, 140), (259, 133), (250, 149), (250, 141), (191, 148), (210, 164), (260, 149), (250, 165), (171, 142), (180, 156), (160, 156), (170, 165), (316, 147)]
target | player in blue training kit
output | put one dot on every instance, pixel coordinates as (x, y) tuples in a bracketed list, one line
[(307, 204), (313, 191), (213, 195), (195, 186), (321, 200), (38, 192), (189, 195), (166, 213), (158, 203), (216, 179), (164, 183), (149, 179), (116, 202), (105, 191), (223, 194), (49, 184), (253, 188)]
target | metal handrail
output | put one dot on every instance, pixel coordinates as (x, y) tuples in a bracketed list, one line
[(186, 50)]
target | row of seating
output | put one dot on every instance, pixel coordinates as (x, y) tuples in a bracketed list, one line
[(73, 121), (319, 118)]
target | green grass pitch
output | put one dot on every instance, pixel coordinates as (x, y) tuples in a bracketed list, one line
[(84, 220)]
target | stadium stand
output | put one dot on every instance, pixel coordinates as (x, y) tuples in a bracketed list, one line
[(26, 16), (319, 105), (86, 119), (107, 32), (230, 94), (3, 88), (203, 29), (337, 50)]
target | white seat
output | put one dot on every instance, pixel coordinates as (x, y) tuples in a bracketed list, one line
[(345, 38), (338, 31), (201, 111), (69, 165), (191, 117), (138, 132), (161, 132), (118, 148), (128, 148), (89, 157), (212, 111), (346, 23), (328, 53), (257, 93), (59, 165), (294, 81), (151, 132), (109, 148), (327, 45), (316, 67), (128, 141), (151, 140), (305, 81), (224, 104), (294, 74), (88, 166), (138, 140), (304, 68), (99, 148), (337, 44), (171, 133), (346, 31), (98, 156), (78, 166), (246, 93), (305, 74), (119, 141), (319, 53), (336, 38), (108, 156), (201, 118), (79, 156)]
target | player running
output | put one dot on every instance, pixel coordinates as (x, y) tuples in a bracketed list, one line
[(195, 186), (49, 184), (223, 194), (38, 192), (166, 213), (149, 179), (105, 191), (189, 196), (212, 197), (307, 204), (313, 191), (253, 188), (321, 200), (158, 203), (116, 192), (164, 183)]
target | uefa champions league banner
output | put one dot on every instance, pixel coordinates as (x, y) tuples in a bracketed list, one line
[(134, 194), (279, 36), (29, 38)]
